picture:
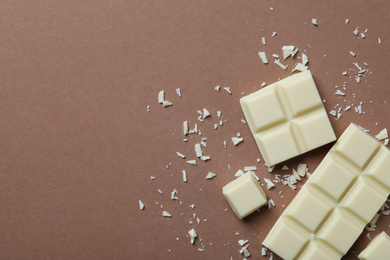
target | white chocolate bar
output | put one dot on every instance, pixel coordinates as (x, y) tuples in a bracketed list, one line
[(244, 195), (378, 248), (333, 207), (287, 118)]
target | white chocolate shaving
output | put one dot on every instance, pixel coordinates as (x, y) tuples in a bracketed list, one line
[(287, 51), (184, 176), (210, 175), (382, 135), (141, 205), (237, 140), (192, 162), (166, 103), (193, 235), (284, 67), (166, 214), (206, 113), (198, 150), (161, 96), (263, 57)]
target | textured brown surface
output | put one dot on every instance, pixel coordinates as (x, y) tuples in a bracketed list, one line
[(77, 146)]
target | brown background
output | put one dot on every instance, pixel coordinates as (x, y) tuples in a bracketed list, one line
[(77, 147)]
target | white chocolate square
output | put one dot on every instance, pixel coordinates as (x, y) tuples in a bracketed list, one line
[(332, 177), (380, 169), (341, 230), (263, 109), (308, 200), (244, 195), (357, 147), (317, 251), (288, 238), (292, 104), (271, 142), (377, 249), (300, 92), (315, 129), (364, 199), (342, 196)]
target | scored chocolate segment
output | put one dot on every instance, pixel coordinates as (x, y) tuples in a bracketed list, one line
[(344, 193), (287, 118)]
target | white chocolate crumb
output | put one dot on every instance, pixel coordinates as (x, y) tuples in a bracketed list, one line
[(263, 57), (339, 93), (271, 203), (192, 162), (382, 135), (273, 34), (269, 183), (210, 175), (287, 50), (193, 235), (198, 150), (352, 53), (206, 113), (166, 103), (181, 155), (141, 205), (344, 73), (264, 251), (386, 141), (148, 108), (178, 92), (192, 206), (379, 40), (217, 88), (166, 214), (215, 126), (263, 40), (270, 168), (225, 144), (173, 193), (333, 113), (302, 169), (161, 96), (356, 32), (346, 21), (237, 140), (362, 35), (152, 177), (242, 242), (285, 168), (245, 251), (284, 67), (263, 84), (296, 175), (205, 158), (305, 59), (184, 176), (239, 173), (294, 52), (227, 89), (300, 67), (250, 168), (275, 56), (185, 128), (314, 21)]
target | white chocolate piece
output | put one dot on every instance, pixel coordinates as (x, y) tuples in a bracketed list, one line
[(287, 118), (378, 248), (244, 195), (344, 193)]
